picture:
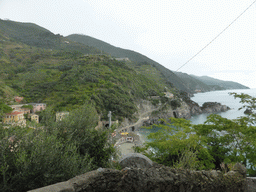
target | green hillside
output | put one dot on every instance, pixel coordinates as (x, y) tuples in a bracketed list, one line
[(222, 84), (181, 81), (34, 35), (65, 79), (193, 83), (133, 56), (6, 93), (44, 67)]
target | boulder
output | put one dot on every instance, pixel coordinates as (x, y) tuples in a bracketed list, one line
[(213, 107), (135, 160)]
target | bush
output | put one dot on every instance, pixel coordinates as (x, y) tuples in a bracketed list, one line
[(175, 104), (61, 150)]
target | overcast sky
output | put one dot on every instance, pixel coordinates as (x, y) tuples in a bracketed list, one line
[(167, 31)]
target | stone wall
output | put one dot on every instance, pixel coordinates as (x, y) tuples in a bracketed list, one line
[(141, 174), (151, 179)]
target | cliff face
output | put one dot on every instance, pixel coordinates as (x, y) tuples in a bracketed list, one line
[(186, 110), (149, 114), (214, 107)]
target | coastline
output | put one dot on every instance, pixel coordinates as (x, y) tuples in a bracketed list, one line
[(128, 147), (215, 96)]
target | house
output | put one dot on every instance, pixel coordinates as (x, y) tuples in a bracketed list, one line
[(168, 95), (18, 99), (34, 117), (154, 97), (20, 109), (123, 59), (37, 107), (14, 118), (61, 115), (15, 107)]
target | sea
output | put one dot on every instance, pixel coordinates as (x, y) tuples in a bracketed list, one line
[(222, 97)]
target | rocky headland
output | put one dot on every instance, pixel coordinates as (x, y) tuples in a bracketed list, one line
[(187, 109), (149, 114)]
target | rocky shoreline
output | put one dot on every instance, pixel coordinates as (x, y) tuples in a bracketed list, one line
[(186, 110)]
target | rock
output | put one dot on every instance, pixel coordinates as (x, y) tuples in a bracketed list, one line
[(251, 184), (136, 160), (156, 178), (238, 167), (213, 107)]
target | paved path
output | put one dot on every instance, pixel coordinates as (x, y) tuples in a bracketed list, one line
[(126, 148)]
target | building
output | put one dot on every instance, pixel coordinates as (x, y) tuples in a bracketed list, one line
[(168, 95), (61, 115), (123, 59), (37, 107), (14, 118), (20, 108), (18, 99), (15, 107), (34, 117)]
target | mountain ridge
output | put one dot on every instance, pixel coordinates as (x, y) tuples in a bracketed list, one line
[(182, 81), (225, 84)]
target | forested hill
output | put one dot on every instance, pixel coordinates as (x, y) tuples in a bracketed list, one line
[(44, 67), (133, 56), (206, 83), (64, 78), (182, 81), (223, 84), (34, 35)]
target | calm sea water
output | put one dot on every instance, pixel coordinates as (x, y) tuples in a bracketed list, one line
[(222, 97)]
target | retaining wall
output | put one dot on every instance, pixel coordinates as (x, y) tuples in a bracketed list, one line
[(156, 178)]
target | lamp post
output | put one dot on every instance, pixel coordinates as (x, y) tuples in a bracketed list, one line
[(109, 116)]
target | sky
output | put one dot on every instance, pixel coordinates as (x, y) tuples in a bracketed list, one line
[(167, 31)]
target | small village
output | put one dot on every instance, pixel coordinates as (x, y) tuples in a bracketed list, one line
[(22, 113), (26, 115), (125, 137)]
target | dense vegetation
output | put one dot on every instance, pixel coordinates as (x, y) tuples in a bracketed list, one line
[(65, 79), (212, 145), (69, 76), (33, 158), (181, 81), (218, 84), (34, 35)]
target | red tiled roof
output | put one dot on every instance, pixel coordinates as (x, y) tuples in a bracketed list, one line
[(14, 113), (18, 99)]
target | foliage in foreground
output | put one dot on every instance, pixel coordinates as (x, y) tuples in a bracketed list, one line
[(206, 146), (31, 158)]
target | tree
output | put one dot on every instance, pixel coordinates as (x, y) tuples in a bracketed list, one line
[(79, 128), (27, 107), (33, 158), (168, 145), (4, 109), (216, 141)]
